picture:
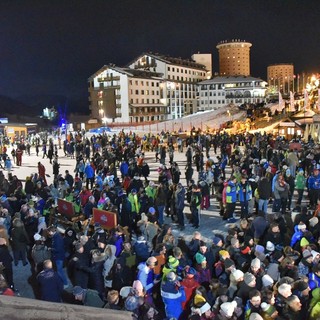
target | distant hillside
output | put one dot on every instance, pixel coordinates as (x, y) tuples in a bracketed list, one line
[(9, 106), (61, 103)]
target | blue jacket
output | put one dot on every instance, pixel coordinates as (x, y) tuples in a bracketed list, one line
[(297, 236), (231, 192), (172, 298), (88, 171), (146, 277), (248, 192), (314, 182), (314, 281), (51, 285), (57, 251), (124, 168)]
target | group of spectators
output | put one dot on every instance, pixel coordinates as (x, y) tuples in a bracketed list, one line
[(266, 267)]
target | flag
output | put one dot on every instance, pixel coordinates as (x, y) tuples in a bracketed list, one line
[(292, 108), (318, 99), (281, 102), (65, 208), (306, 100), (107, 219)]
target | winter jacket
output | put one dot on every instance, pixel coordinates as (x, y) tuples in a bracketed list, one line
[(179, 199), (88, 171), (51, 285), (314, 281), (57, 250), (172, 298), (300, 181), (107, 267), (247, 195), (146, 277), (142, 250), (231, 192)]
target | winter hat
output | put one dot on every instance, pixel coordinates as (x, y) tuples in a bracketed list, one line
[(228, 263), (216, 240), (190, 272), (228, 308), (268, 308), (248, 278), (173, 262), (224, 254), (171, 276), (304, 242), (206, 307), (125, 291), (267, 281), (77, 290), (132, 303), (313, 221), (255, 316), (306, 254), (199, 299), (256, 263), (200, 258), (302, 226), (270, 246), (245, 250), (237, 274), (234, 241), (259, 248), (152, 210), (37, 237)]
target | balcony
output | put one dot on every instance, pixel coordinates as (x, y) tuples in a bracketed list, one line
[(109, 78)]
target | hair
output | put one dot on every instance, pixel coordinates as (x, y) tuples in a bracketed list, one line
[(291, 299), (267, 295), (47, 264), (287, 261), (113, 297), (254, 293)]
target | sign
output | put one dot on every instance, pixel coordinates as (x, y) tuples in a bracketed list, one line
[(107, 219), (66, 208)]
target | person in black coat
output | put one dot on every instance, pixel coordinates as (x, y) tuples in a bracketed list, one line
[(96, 281), (51, 285), (78, 267), (6, 261)]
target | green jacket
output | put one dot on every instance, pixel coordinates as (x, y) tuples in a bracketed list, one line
[(92, 299), (300, 181)]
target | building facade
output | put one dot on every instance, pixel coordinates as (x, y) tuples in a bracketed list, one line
[(206, 60), (220, 91), (234, 58), (152, 88), (125, 95), (179, 81), (281, 76)]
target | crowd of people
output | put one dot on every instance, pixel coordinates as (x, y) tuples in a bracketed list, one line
[(267, 190)]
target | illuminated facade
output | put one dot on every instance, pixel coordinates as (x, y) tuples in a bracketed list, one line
[(221, 91), (281, 76), (151, 88), (126, 95), (180, 78), (234, 58)]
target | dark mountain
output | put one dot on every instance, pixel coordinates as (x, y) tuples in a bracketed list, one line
[(61, 103), (9, 106)]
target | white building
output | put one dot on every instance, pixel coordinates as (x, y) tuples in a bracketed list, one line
[(221, 91), (180, 78), (126, 95)]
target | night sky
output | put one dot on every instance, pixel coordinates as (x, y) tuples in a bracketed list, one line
[(52, 46)]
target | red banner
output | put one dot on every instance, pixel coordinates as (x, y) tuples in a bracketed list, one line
[(66, 208), (107, 219)]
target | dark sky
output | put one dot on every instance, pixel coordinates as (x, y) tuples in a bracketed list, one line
[(52, 46)]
